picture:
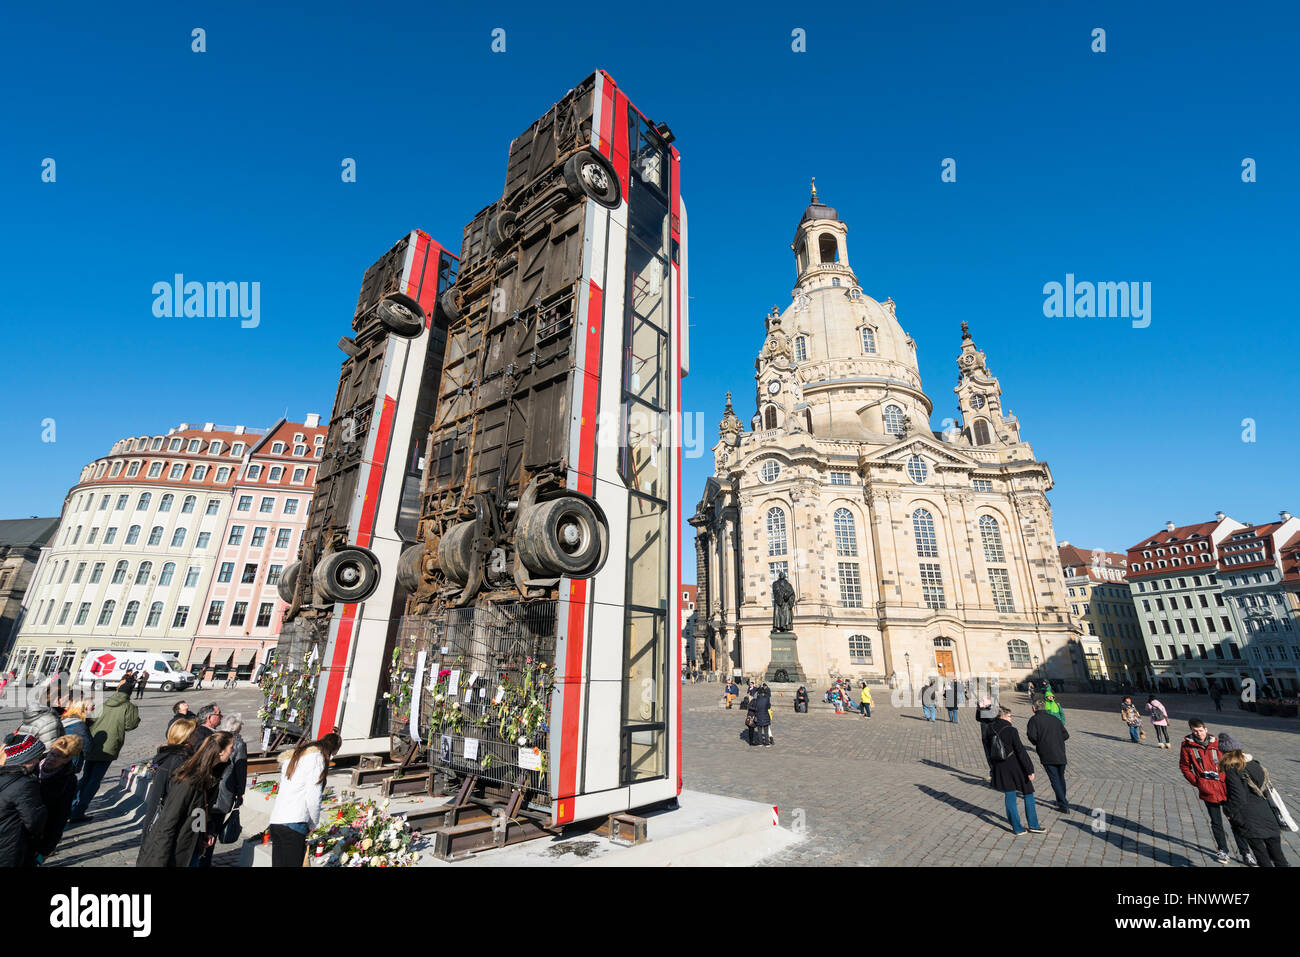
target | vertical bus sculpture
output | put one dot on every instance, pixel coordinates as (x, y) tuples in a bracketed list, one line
[(345, 592), (549, 550)]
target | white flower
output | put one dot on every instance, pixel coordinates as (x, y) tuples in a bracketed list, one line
[(522, 739)]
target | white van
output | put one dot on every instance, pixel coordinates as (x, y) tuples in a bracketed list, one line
[(107, 666)]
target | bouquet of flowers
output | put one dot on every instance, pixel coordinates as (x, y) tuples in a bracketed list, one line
[(364, 834)]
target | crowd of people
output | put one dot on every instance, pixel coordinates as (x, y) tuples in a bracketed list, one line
[(55, 762), (1230, 781)]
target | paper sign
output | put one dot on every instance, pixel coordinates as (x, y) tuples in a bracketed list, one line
[(446, 649), (482, 692), (453, 683), (501, 693), (530, 760), (469, 688), (471, 749), (417, 683)]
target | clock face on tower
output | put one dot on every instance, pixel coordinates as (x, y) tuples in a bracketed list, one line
[(977, 402), (773, 387)]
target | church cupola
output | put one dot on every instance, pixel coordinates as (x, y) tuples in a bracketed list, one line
[(821, 251)]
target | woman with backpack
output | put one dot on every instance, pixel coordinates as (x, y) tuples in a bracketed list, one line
[(1248, 803), (184, 827), (1012, 772), (1159, 720)]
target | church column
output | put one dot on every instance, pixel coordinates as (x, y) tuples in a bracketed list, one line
[(735, 589)]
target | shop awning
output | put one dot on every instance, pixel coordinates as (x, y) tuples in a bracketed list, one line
[(245, 657), (221, 656)]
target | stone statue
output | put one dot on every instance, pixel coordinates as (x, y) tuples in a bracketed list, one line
[(782, 604)]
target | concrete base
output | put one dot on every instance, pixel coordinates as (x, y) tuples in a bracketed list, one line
[(703, 830)]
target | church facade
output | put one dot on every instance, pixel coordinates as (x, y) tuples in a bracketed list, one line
[(911, 551)]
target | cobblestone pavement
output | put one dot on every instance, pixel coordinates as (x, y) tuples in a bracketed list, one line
[(895, 789), (112, 838)]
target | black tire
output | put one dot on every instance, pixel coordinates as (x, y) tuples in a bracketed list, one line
[(503, 229), (563, 536), (455, 551), (410, 568), (587, 173), (448, 303), (401, 315), (168, 686), (288, 577), (348, 575)]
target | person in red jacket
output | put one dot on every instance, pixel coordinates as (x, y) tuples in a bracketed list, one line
[(1199, 762)]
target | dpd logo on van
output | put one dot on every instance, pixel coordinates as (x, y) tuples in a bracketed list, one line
[(102, 665)]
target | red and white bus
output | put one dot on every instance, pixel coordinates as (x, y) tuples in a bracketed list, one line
[(344, 593), (553, 488)]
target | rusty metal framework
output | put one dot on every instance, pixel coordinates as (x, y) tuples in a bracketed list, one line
[(485, 705)]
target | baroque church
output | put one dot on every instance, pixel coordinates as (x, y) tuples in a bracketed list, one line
[(910, 551)]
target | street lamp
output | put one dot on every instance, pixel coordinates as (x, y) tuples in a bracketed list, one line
[(907, 658)]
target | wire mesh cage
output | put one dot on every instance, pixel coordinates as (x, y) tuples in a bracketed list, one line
[(288, 683), (485, 704), (415, 635)]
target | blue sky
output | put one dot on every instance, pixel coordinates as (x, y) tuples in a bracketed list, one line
[(1114, 167)]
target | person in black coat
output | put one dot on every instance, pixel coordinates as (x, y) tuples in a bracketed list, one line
[(985, 715), (58, 779), (1048, 735), (1249, 809), (801, 700), (761, 733), (1012, 772), (183, 829), (163, 765), (22, 815)]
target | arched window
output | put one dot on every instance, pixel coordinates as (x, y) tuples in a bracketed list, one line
[(141, 505), (128, 616), (188, 504), (923, 529), (1018, 653), (155, 535), (143, 573), (119, 573), (769, 418), (828, 248), (106, 613), (868, 340), (165, 503), (167, 571), (982, 436), (807, 418), (775, 531), (991, 536), (155, 615), (846, 536), (801, 349), (893, 420), (178, 538), (133, 535)]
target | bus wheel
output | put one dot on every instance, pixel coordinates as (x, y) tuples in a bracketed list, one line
[(401, 315), (503, 229), (410, 567), (448, 303), (288, 577), (455, 552), (587, 173), (348, 575), (563, 536)]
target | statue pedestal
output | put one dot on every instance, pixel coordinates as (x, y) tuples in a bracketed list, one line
[(784, 667)]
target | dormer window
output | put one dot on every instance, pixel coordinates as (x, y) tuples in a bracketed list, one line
[(801, 349), (215, 447), (277, 448), (174, 445), (237, 448), (835, 280), (868, 340), (195, 445)]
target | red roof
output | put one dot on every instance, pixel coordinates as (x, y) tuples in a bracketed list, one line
[(1079, 561)]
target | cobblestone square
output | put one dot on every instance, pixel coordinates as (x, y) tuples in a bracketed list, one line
[(894, 789)]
